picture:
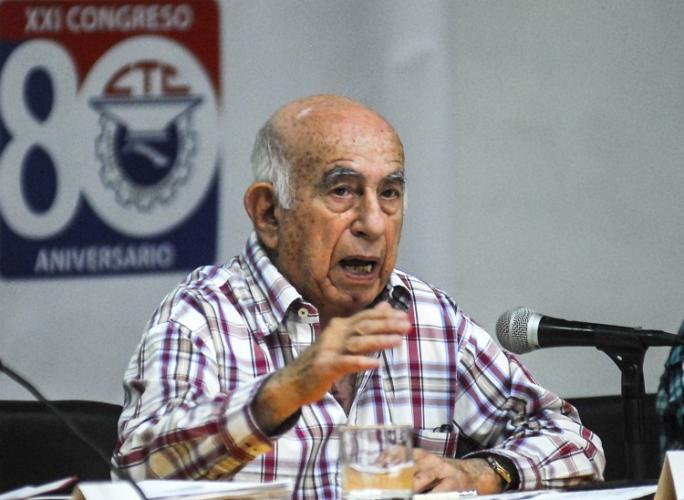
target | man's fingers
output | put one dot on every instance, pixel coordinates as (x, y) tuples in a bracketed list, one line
[(382, 310), (363, 344), (393, 324), (447, 484), (440, 474), (425, 459), (376, 326), (426, 480), (430, 473), (350, 363)]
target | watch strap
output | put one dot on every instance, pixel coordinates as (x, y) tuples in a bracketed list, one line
[(505, 469)]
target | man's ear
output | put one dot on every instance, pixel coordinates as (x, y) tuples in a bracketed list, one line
[(260, 202)]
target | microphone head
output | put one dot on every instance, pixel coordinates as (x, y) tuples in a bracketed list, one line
[(517, 330)]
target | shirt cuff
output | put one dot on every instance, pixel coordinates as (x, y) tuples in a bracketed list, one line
[(243, 438)]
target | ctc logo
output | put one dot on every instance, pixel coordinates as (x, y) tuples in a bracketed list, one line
[(128, 151)]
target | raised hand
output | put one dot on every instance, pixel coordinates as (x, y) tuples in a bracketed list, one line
[(341, 349)]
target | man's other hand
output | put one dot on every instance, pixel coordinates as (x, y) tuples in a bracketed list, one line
[(434, 473)]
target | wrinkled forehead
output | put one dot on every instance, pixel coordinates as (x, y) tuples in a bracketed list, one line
[(324, 130)]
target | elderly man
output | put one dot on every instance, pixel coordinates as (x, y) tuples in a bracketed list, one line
[(246, 370)]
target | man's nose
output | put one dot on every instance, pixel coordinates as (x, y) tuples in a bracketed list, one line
[(371, 219)]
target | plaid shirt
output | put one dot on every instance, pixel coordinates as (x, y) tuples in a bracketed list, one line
[(216, 338), (670, 401)]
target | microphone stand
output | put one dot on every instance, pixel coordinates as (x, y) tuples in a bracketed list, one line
[(628, 355)]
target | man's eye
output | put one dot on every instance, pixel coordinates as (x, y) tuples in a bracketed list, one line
[(341, 191), (391, 193)]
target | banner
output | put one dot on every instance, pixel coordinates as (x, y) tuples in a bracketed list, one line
[(108, 137)]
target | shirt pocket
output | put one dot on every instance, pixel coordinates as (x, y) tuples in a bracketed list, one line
[(437, 442)]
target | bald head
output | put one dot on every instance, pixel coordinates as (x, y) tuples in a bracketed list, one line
[(319, 107), (289, 142)]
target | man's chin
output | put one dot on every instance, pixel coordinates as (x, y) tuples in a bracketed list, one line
[(349, 298), (358, 300)]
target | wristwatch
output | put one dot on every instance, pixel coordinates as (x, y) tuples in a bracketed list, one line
[(501, 471)]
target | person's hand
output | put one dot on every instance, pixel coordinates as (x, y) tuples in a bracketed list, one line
[(434, 473), (342, 348)]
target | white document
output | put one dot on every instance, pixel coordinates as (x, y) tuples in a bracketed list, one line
[(629, 493), (184, 490), (607, 494), (33, 491)]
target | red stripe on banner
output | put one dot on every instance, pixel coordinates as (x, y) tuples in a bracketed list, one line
[(89, 29)]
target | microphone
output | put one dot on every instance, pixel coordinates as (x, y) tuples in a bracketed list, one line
[(121, 474), (523, 330)]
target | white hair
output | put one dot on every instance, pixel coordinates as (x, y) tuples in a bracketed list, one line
[(269, 163)]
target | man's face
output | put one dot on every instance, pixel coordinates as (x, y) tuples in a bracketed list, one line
[(339, 242)]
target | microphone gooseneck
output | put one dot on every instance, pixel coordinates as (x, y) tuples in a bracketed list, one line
[(66, 420)]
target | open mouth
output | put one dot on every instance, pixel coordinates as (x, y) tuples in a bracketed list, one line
[(359, 267)]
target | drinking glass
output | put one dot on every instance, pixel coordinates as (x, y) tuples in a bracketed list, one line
[(376, 461)]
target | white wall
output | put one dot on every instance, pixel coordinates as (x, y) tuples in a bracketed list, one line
[(544, 155)]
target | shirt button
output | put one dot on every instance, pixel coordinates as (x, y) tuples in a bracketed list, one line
[(303, 313)]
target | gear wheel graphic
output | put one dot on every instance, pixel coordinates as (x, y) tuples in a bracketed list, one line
[(132, 194)]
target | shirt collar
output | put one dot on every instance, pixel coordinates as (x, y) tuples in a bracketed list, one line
[(274, 295), (396, 293)]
